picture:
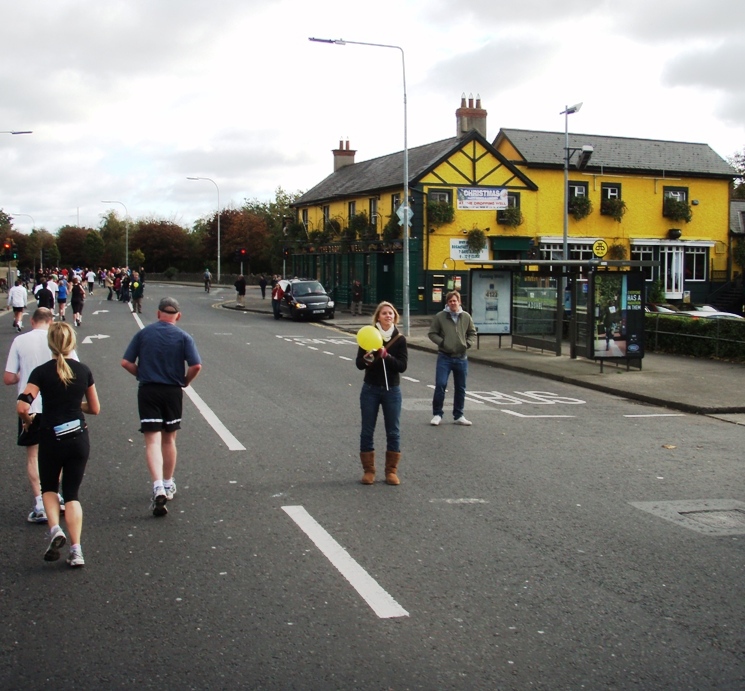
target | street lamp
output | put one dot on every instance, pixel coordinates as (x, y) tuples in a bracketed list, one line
[(16, 132), (218, 221), (404, 209), (126, 228), (33, 223)]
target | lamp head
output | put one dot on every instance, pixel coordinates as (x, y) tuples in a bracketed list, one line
[(570, 110)]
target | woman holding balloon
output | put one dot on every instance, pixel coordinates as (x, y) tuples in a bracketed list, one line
[(383, 355)]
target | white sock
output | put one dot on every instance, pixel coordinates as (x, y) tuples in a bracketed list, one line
[(158, 484), (39, 503), (168, 483)]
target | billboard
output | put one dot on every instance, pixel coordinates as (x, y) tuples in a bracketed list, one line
[(617, 315), (491, 300)]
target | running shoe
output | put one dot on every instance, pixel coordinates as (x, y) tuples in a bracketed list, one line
[(462, 421), (57, 540), (436, 420), (75, 557), (170, 491), (37, 516), (159, 503)]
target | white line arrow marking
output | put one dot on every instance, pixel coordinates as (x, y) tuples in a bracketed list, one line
[(87, 339)]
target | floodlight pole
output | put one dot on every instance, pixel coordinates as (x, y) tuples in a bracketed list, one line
[(405, 202)]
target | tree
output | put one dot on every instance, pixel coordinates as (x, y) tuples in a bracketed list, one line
[(737, 161), (93, 248), (6, 222), (113, 233), (164, 244), (71, 245)]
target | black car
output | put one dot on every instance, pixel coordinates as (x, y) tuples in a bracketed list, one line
[(305, 299)]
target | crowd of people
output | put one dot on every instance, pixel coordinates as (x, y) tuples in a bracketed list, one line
[(56, 391)]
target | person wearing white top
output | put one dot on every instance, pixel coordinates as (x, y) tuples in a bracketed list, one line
[(17, 299)]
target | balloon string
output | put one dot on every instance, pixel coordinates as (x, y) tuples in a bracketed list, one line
[(385, 374)]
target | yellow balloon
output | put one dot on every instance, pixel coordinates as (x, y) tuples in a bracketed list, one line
[(369, 338)]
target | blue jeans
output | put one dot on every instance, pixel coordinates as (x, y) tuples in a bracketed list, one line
[(372, 398), (459, 367)]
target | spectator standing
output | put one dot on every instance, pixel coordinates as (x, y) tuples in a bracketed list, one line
[(109, 283), (356, 297), (277, 295), (69, 391), (17, 301), (381, 389), (453, 332), (156, 356), (240, 287), (138, 290), (262, 285)]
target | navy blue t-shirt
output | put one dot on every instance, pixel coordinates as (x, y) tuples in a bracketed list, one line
[(160, 350)]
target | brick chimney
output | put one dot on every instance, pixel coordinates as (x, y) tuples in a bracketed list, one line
[(343, 156), (470, 117)]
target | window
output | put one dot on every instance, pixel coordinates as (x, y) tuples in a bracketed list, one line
[(439, 196), (695, 263), (373, 211), (304, 217), (395, 202), (505, 215), (326, 214), (679, 194), (610, 190), (351, 210), (644, 253), (577, 189)]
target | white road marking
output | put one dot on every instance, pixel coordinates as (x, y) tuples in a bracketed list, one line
[(230, 441), (344, 357), (222, 431), (416, 381), (328, 352), (658, 415), (379, 600), (312, 348), (516, 414), (87, 339)]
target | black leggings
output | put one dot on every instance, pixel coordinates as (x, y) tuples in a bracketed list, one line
[(69, 457)]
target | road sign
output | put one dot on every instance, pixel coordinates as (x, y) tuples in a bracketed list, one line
[(600, 248), (400, 214)]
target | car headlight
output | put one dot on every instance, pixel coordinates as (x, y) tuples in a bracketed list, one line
[(331, 303), (300, 306)]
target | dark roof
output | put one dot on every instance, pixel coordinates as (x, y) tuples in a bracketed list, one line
[(737, 217), (546, 149), (378, 173)]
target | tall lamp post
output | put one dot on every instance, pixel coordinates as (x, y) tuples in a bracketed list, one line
[(568, 110), (403, 212), (126, 229), (33, 223), (16, 132), (218, 221)]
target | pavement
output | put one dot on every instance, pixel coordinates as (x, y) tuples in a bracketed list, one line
[(691, 385)]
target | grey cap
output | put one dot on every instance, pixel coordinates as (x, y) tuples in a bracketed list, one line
[(168, 305)]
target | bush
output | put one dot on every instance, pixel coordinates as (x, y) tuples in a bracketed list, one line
[(170, 273), (722, 339)]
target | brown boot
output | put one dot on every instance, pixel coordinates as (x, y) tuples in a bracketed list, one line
[(391, 465), (368, 465)]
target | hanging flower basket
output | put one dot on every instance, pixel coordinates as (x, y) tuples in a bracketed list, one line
[(439, 213), (476, 240), (511, 216)]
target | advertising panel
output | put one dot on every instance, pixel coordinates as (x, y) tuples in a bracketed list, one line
[(482, 198), (491, 299), (618, 315)]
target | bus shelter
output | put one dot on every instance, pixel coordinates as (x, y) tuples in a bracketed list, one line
[(597, 306)]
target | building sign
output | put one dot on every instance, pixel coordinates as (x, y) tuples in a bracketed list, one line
[(491, 297), (460, 251), (482, 198)]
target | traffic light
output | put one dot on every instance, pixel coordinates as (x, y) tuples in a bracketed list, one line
[(6, 250), (14, 252), (286, 252), (244, 253)]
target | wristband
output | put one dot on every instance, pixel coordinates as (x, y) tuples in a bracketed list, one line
[(26, 398)]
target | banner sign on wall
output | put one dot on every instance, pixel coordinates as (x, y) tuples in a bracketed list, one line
[(460, 251), (482, 198), (618, 315), (491, 299)]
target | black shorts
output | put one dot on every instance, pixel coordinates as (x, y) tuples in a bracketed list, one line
[(30, 438), (17, 310), (61, 301), (160, 407)]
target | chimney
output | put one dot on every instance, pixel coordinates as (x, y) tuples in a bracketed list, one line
[(343, 156), (470, 117)]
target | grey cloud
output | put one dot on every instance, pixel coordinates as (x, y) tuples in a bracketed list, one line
[(504, 13)]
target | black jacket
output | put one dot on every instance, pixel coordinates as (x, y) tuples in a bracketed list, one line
[(396, 361)]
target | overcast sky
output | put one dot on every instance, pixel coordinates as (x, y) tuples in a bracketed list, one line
[(126, 98)]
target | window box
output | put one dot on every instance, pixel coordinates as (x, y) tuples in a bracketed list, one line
[(615, 208), (676, 210), (580, 207)]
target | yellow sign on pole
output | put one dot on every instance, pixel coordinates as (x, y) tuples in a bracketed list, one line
[(600, 248)]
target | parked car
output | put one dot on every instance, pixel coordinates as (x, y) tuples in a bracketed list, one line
[(710, 314), (305, 299), (661, 308)]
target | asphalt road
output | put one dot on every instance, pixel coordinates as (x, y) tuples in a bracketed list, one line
[(528, 551)]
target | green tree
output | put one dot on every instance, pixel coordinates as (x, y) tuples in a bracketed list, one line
[(737, 161), (71, 245), (164, 244), (113, 233), (6, 222), (93, 248)]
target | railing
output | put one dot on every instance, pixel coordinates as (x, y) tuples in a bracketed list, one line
[(704, 337)]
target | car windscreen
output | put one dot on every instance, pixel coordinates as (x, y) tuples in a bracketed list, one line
[(309, 288)]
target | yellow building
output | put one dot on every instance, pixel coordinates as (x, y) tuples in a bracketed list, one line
[(476, 200)]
